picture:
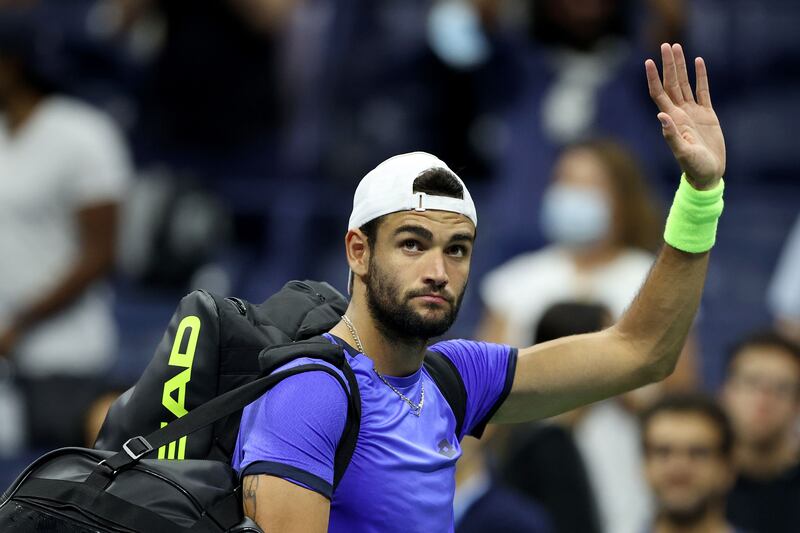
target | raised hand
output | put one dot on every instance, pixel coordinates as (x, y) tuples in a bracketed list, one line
[(690, 126)]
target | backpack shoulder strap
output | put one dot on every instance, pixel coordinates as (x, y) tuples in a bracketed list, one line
[(234, 400), (321, 348), (448, 379)]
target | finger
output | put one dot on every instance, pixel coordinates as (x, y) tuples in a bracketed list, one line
[(654, 85), (670, 75), (683, 75), (703, 94), (669, 130)]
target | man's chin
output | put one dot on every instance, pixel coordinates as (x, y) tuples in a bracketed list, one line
[(430, 323), (686, 511)]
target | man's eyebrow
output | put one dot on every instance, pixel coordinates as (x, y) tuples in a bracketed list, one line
[(416, 230), (426, 234), (462, 237)]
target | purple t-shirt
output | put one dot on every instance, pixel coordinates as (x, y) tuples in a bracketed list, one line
[(402, 474)]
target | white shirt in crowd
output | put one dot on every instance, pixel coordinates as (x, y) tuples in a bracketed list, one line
[(524, 288), (520, 291), (66, 157)]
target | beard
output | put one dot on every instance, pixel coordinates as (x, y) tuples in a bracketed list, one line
[(394, 315), (689, 516)]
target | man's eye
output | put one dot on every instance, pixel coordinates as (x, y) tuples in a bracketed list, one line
[(457, 251), (411, 245)]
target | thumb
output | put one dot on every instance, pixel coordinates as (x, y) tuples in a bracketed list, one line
[(671, 134)]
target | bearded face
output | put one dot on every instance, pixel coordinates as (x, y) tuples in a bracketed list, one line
[(406, 314)]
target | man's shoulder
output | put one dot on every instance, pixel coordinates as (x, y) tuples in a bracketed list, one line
[(317, 374), (466, 347), (309, 389)]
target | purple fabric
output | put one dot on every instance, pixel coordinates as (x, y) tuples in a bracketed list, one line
[(401, 476), (478, 363)]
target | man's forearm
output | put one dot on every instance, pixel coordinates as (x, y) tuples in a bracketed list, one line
[(659, 319), (556, 376)]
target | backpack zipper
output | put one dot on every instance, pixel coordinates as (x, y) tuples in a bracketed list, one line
[(305, 287), (238, 304)]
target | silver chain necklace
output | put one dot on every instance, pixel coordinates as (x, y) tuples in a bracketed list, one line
[(416, 409)]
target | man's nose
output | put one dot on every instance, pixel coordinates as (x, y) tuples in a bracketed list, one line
[(436, 272)]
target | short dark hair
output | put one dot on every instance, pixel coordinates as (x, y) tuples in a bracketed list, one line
[(30, 50), (570, 318), (434, 181), (697, 404), (764, 338)]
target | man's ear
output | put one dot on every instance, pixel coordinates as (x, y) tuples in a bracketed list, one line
[(357, 250)]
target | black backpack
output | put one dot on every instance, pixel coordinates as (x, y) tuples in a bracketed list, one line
[(217, 355)]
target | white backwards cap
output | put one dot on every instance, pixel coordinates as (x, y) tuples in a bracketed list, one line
[(389, 188)]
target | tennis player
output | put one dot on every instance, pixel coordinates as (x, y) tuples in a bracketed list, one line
[(409, 245)]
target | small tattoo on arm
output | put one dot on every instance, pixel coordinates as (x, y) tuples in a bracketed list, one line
[(250, 496)]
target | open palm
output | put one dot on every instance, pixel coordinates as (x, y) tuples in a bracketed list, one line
[(690, 126)]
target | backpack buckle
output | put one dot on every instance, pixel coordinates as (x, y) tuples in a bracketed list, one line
[(137, 447)]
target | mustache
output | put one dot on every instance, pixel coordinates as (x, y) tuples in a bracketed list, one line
[(430, 292)]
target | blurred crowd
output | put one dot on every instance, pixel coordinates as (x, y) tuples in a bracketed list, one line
[(152, 147)]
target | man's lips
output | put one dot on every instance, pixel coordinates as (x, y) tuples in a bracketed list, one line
[(433, 298)]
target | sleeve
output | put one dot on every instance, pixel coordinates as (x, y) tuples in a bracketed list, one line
[(101, 166), (291, 434), (487, 371)]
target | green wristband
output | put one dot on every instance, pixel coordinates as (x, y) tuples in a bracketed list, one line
[(692, 221)]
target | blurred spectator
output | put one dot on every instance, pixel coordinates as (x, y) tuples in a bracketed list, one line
[(762, 396), (603, 226), (431, 75), (63, 171), (212, 97), (784, 290), (688, 444), (484, 503), (541, 459), (587, 46)]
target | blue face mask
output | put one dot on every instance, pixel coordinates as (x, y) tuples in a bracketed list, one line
[(574, 216), (456, 36)]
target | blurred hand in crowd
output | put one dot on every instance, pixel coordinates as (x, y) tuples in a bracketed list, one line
[(8, 338)]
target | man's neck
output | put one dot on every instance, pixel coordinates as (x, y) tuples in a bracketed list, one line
[(19, 109), (391, 357), (768, 460), (713, 522)]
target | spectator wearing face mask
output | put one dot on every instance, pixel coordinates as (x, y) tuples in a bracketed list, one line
[(603, 227), (602, 223)]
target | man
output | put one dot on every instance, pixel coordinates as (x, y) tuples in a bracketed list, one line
[(762, 396), (63, 171), (409, 245), (688, 445)]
